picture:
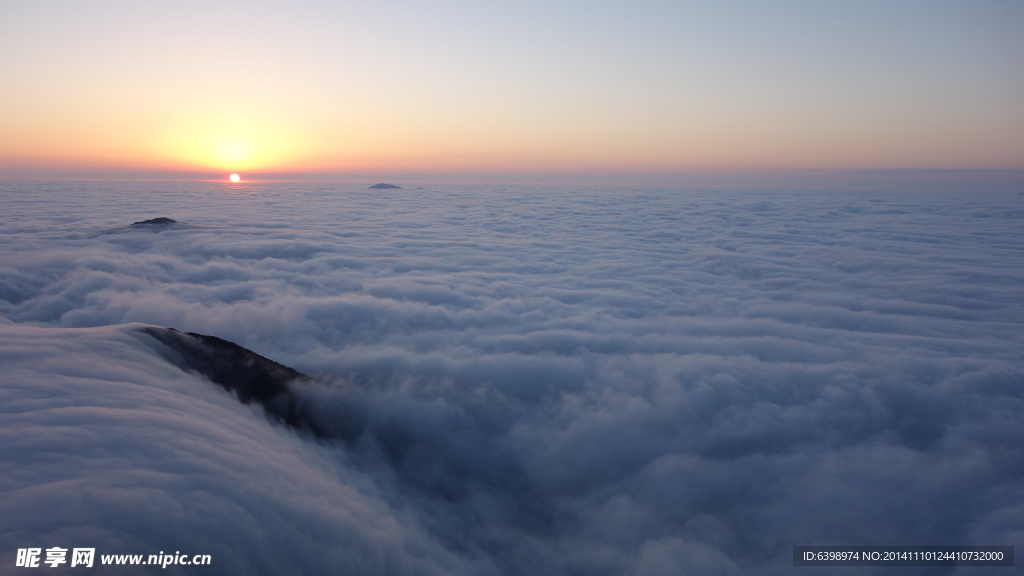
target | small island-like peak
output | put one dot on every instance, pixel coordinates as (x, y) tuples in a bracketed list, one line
[(383, 185), (155, 221)]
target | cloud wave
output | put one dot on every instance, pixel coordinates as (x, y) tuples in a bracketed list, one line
[(514, 380)]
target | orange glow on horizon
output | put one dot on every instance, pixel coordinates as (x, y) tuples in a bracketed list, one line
[(237, 141)]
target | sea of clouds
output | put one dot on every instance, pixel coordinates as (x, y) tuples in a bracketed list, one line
[(514, 380)]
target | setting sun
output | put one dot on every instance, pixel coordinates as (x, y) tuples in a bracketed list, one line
[(234, 177)]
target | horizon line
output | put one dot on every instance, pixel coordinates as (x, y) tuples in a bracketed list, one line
[(1004, 179)]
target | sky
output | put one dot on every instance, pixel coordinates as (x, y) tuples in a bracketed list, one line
[(525, 89)]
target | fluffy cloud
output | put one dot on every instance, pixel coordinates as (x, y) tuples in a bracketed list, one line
[(514, 380)]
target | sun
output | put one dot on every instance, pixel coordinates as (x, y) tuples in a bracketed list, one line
[(234, 178)]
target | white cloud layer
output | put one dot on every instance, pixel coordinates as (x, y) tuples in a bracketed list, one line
[(517, 379)]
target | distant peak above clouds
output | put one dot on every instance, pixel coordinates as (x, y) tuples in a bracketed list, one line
[(155, 222)]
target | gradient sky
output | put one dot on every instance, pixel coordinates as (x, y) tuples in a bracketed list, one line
[(524, 87)]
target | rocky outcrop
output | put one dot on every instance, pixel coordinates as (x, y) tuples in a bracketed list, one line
[(253, 378)]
